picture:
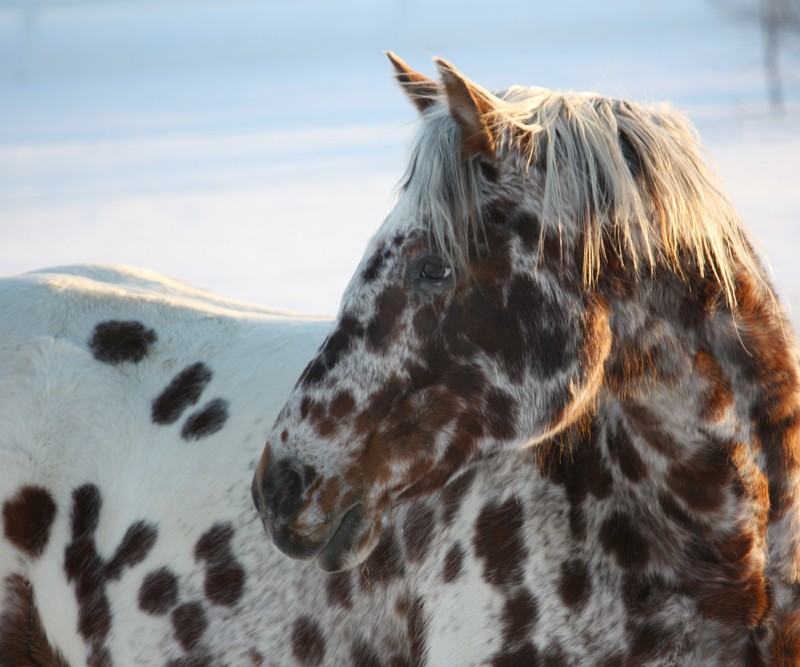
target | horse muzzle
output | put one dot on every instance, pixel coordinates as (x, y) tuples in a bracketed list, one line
[(281, 494)]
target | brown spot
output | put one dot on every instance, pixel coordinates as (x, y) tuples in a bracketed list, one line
[(520, 613), (453, 494), (384, 564), (193, 660), (27, 519), (339, 589), (308, 642), (190, 624), (184, 390), (376, 264), (500, 543), (720, 393), (383, 327), (206, 421), (224, 584), (413, 609), (135, 545), (158, 592), (89, 572), (623, 452), (453, 562), (417, 530), (524, 655), (671, 507), (649, 641), (620, 536), (501, 414), (702, 480), (647, 428), (116, 341), (342, 405), (786, 648), (338, 343), (23, 642), (365, 655), (574, 585)]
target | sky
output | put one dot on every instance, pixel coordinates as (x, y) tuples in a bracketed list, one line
[(253, 147)]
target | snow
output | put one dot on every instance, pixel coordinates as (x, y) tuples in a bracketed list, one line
[(251, 147)]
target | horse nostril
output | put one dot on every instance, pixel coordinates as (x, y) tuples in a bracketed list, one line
[(288, 485), (283, 489)]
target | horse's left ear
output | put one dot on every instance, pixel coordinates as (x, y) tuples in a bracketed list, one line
[(471, 107)]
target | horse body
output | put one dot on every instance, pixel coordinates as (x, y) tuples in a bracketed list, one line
[(133, 409), (562, 340)]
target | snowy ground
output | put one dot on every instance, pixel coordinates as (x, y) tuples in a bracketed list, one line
[(251, 147)]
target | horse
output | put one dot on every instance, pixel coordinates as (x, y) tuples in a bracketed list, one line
[(559, 399)]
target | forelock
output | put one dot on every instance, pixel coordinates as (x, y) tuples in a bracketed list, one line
[(631, 181), (443, 186)]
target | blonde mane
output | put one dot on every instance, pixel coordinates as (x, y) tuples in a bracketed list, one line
[(633, 180)]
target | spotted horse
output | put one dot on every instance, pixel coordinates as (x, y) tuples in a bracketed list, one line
[(560, 397), (133, 410)]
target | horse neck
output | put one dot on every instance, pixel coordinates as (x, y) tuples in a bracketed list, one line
[(699, 417)]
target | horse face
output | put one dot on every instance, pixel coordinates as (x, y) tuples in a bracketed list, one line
[(432, 363)]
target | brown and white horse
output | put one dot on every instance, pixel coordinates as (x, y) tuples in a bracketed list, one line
[(561, 381)]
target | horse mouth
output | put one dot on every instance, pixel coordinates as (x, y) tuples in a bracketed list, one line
[(334, 554)]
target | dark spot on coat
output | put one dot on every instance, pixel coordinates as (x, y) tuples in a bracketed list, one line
[(417, 530), (193, 660), (520, 613), (376, 264), (364, 654), (135, 545), (27, 519), (116, 341), (184, 390), (418, 631), (501, 413), (574, 584), (453, 494), (224, 583), (620, 536), (190, 624), (85, 568), (648, 641), (384, 564), (158, 592), (382, 328), (623, 452), (23, 642), (702, 480), (90, 573), (308, 642), (337, 344), (339, 589), (453, 563), (499, 542), (525, 655), (207, 421)]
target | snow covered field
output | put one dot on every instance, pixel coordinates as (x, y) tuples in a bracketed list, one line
[(252, 147)]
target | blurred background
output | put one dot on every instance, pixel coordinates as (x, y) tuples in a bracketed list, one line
[(253, 147)]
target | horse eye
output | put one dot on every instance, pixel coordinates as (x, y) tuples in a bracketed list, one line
[(433, 270)]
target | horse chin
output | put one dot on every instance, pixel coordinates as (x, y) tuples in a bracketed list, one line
[(351, 542)]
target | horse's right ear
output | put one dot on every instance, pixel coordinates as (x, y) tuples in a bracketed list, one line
[(421, 90)]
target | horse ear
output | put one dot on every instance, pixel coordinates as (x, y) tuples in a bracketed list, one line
[(421, 90), (471, 107)]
